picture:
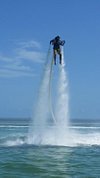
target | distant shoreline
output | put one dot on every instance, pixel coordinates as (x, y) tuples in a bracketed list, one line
[(74, 120)]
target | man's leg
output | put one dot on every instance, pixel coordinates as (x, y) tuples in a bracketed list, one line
[(60, 56), (55, 57)]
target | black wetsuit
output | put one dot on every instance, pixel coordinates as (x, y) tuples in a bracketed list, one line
[(56, 47), (57, 43)]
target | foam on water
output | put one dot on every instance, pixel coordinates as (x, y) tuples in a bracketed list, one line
[(52, 138)]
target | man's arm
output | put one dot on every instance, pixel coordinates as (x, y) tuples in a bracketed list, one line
[(52, 41), (62, 42)]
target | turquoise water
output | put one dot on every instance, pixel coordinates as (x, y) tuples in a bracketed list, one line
[(18, 159)]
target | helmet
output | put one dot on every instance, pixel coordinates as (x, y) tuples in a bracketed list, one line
[(57, 38)]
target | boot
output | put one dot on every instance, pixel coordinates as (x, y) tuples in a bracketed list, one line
[(60, 59), (55, 60)]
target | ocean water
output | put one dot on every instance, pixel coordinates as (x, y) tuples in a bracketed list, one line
[(77, 158)]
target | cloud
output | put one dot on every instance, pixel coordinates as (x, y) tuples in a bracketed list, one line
[(30, 50), (34, 56), (17, 67), (20, 60), (29, 44), (5, 58), (14, 73)]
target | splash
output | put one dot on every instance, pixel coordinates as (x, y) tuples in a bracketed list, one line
[(48, 127), (79, 136)]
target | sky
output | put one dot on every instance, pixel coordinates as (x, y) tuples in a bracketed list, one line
[(26, 27)]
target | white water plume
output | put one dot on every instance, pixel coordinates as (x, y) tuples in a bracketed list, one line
[(62, 103), (42, 131), (41, 109)]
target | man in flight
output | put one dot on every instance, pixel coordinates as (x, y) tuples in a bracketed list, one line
[(57, 43)]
